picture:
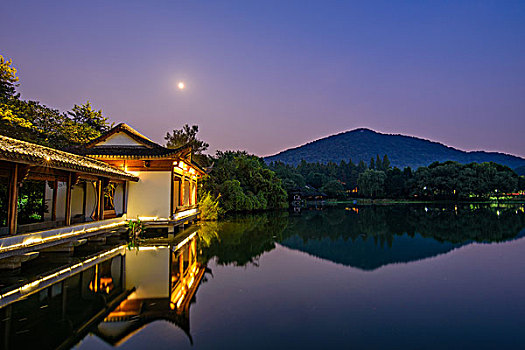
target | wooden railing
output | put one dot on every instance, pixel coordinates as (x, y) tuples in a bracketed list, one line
[(184, 207)]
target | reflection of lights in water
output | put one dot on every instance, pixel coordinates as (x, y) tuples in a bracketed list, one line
[(62, 274)]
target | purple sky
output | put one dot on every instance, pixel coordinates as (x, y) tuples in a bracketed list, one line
[(267, 75)]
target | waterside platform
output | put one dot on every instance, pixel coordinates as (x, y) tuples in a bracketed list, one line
[(20, 247)]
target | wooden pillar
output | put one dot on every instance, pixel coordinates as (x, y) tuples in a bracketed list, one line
[(13, 201), (181, 191), (102, 186), (172, 193), (196, 190), (68, 200), (190, 194), (181, 263), (100, 200)]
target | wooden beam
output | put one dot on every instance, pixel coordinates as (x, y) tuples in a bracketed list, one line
[(69, 184), (74, 178), (23, 172), (13, 201)]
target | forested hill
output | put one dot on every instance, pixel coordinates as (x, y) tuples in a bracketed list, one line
[(363, 144)]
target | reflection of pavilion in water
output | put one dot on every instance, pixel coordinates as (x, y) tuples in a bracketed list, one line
[(165, 281), (51, 309), (113, 293)]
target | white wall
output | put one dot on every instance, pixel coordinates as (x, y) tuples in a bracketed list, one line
[(49, 200), (91, 199), (77, 194), (119, 139), (117, 199), (77, 197), (151, 195), (61, 200)]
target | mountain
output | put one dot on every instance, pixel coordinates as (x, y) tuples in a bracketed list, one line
[(520, 170), (363, 144)]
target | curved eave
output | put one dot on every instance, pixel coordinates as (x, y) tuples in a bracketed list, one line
[(60, 165), (139, 157)]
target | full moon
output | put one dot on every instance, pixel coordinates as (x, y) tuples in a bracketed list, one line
[(181, 85)]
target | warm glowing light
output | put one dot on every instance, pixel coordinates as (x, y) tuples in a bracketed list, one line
[(148, 218), (48, 158), (181, 85)]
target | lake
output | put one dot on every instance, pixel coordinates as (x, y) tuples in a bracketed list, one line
[(393, 276)]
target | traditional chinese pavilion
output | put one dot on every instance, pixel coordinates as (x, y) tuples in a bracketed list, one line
[(167, 186)]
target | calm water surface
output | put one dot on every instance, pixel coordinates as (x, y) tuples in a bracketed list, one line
[(410, 277)]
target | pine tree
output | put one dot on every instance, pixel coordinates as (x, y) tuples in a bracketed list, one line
[(386, 163)]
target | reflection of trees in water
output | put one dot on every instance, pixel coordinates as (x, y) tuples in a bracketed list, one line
[(241, 239), (349, 237), (383, 223), (380, 235)]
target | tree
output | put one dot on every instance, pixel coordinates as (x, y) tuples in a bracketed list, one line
[(31, 121), (361, 167), (188, 136), (8, 79), (244, 183), (371, 183), (521, 183), (316, 179), (85, 115), (334, 189), (395, 183), (386, 163)]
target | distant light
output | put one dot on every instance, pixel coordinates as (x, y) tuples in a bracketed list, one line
[(181, 85), (48, 158)]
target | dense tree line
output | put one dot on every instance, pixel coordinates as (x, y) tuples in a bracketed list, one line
[(35, 122), (335, 180), (243, 182), (447, 180)]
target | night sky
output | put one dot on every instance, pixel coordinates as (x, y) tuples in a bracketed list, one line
[(268, 75)]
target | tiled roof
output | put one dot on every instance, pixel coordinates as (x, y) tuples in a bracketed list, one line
[(149, 149), (123, 127), (25, 152), (128, 152)]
